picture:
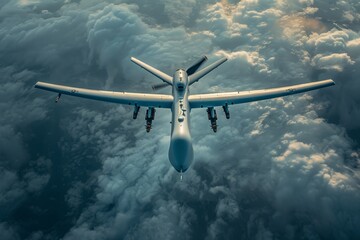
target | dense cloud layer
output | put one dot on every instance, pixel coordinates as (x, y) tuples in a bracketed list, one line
[(284, 168)]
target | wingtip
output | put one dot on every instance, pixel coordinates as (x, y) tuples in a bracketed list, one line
[(134, 59), (330, 81)]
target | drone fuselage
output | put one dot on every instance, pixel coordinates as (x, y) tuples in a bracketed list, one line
[(181, 152)]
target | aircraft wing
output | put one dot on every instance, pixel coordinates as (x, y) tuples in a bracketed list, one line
[(221, 99), (140, 99)]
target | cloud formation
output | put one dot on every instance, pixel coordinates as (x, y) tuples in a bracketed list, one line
[(284, 168)]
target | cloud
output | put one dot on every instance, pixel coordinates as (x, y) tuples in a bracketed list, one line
[(343, 59), (335, 61), (284, 168), (354, 47), (179, 12), (7, 232), (332, 41), (12, 150)]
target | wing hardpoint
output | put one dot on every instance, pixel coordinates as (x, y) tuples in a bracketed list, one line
[(139, 99), (221, 99)]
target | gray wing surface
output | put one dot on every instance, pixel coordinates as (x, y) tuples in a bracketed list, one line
[(140, 99), (220, 99)]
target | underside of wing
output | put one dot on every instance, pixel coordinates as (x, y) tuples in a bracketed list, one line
[(139, 99), (221, 99)]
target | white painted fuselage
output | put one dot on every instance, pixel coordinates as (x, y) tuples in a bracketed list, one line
[(181, 152)]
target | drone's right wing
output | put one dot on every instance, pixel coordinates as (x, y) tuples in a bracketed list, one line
[(138, 99), (229, 98)]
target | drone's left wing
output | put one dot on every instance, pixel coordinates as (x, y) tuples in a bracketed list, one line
[(139, 99), (229, 98)]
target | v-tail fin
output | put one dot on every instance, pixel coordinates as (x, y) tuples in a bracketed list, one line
[(163, 76), (199, 74)]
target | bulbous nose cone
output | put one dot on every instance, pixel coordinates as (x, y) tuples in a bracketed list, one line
[(181, 153)]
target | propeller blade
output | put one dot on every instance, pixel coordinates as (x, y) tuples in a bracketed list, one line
[(191, 70), (159, 86)]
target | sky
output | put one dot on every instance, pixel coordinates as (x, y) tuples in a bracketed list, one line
[(286, 168)]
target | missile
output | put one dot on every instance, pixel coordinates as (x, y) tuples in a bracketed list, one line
[(136, 111), (226, 111)]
